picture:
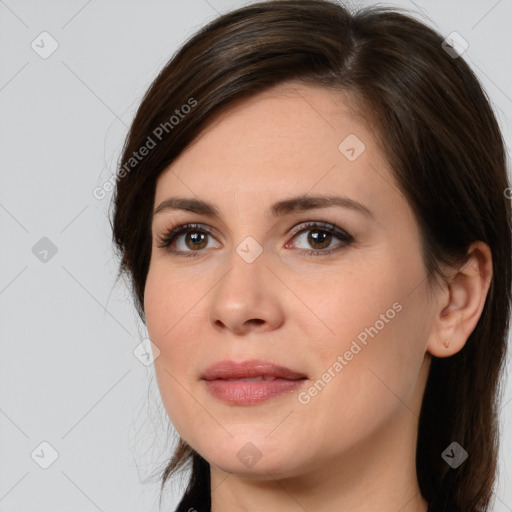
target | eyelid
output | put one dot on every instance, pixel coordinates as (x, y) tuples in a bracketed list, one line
[(319, 224)]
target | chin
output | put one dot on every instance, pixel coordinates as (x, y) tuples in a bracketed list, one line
[(253, 456)]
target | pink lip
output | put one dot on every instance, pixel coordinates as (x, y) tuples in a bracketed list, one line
[(247, 369), (240, 392)]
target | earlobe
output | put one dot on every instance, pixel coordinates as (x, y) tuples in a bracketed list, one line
[(463, 302)]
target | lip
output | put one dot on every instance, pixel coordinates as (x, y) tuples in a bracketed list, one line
[(248, 369), (225, 381)]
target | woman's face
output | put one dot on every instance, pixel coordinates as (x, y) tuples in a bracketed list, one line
[(336, 293)]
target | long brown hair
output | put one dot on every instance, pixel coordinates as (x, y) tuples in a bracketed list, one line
[(438, 131)]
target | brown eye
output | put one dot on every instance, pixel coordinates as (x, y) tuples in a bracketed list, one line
[(189, 239), (319, 237)]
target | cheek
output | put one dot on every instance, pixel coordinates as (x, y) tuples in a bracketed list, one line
[(169, 321), (374, 345), (362, 386), (159, 306), (171, 305), (359, 303)]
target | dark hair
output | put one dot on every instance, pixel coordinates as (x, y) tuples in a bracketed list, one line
[(434, 124)]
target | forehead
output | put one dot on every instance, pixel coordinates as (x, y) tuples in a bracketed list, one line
[(289, 140)]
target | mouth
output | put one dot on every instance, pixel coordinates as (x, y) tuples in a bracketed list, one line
[(250, 382), (253, 369), (254, 379)]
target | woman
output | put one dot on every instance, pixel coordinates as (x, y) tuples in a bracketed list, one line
[(312, 208)]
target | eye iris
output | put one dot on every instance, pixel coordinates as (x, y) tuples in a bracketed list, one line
[(319, 237), (195, 237)]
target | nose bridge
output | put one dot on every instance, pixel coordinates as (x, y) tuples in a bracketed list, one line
[(247, 291), (247, 265)]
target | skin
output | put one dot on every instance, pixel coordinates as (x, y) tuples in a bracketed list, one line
[(352, 446)]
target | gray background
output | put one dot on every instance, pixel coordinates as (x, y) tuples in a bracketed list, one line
[(68, 374)]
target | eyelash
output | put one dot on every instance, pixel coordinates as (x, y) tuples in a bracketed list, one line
[(165, 240)]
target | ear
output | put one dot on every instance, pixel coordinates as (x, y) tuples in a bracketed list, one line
[(461, 302)]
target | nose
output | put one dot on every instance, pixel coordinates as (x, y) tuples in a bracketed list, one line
[(248, 297)]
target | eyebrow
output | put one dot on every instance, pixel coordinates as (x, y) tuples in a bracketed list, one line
[(294, 204)]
